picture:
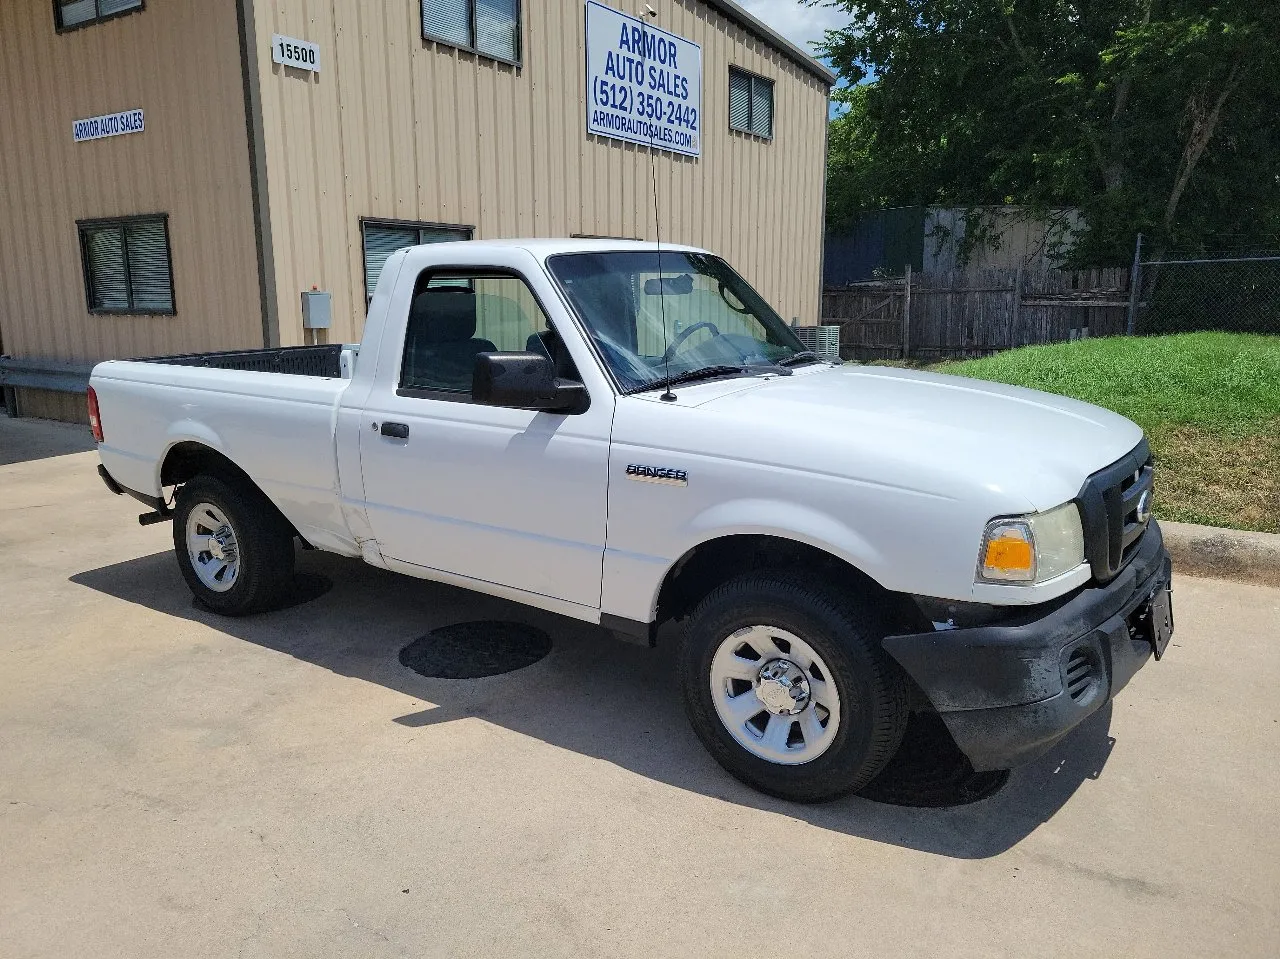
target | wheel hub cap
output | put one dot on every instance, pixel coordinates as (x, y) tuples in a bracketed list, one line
[(774, 695), (222, 544), (212, 547), (783, 688)]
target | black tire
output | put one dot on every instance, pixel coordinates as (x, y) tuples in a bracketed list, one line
[(846, 634), (263, 537)]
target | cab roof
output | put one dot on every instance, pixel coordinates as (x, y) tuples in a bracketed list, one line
[(543, 247)]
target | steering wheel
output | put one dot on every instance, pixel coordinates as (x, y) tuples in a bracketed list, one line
[(685, 334)]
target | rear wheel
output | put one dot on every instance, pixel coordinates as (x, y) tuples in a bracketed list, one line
[(233, 547), (785, 684)]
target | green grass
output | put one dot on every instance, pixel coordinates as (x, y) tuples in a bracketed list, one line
[(1209, 402)]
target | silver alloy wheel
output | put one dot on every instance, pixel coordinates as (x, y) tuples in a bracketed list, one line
[(212, 547), (775, 695)]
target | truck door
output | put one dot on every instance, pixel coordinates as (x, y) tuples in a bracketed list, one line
[(507, 496)]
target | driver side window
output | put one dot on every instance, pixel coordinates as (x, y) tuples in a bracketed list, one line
[(454, 317)]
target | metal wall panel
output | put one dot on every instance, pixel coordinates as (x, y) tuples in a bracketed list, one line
[(179, 63), (399, 127), (1025, 238)]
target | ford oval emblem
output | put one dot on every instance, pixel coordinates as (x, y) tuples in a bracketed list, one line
[(1144, 507)]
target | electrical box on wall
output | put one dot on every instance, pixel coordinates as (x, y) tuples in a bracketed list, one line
[(317, 310)]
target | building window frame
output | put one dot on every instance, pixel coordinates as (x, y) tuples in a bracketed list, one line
[(82, 229), (419, 225), (753, 79), (95, 19), (517, 62)]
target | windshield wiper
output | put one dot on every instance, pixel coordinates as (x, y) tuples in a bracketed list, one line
[(701, 373), (805, 356)]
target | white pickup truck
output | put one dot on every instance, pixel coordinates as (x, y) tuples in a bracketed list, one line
[(630, 435)]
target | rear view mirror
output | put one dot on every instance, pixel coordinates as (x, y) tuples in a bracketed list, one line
[(681, 285), (525, 381)]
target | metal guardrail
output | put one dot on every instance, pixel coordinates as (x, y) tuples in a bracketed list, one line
[(40, 374)]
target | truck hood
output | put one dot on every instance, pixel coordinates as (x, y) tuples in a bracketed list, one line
[(1030, 444)]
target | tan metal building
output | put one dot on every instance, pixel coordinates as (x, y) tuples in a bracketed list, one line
[(174, 173)]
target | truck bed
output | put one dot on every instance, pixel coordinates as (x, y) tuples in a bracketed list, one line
[(272, 412), (328, 360)]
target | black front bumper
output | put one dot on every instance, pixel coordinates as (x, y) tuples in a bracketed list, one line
[(1003, 690)]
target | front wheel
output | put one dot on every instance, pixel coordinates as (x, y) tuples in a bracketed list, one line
[(234, 549), (785, 684)]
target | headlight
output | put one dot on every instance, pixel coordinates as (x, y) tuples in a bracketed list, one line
[(1032, 549)]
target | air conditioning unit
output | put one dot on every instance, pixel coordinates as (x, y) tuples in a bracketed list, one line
[(823, 340)]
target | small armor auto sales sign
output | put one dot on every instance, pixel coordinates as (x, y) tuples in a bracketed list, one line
[(108, 125)]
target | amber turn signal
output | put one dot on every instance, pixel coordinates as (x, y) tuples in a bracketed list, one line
[(1008, 553)]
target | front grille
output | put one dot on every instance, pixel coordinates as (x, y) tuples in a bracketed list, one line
[(1080, 673), (1109, 510)]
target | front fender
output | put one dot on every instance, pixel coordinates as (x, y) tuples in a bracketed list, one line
[(785, 520), (633, 582)]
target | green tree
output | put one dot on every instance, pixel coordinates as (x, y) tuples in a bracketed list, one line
[(1157, 116)]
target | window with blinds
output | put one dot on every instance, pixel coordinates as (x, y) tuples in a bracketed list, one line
[(77, 13), (750, 103), (126, 265), (384, 237), (488, 27)]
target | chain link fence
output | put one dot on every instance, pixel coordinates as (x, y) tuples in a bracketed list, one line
[(1239, 294)]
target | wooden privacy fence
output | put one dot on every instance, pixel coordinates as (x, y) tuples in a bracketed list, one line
[(974, 312)]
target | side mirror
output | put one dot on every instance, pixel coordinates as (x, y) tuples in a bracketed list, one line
[(525, 381)]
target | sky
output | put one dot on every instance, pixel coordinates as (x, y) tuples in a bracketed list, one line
[(798, 23)]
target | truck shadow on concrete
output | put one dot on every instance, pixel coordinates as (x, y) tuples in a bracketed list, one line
[(591, 694)]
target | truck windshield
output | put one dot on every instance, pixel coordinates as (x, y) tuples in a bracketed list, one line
[(693, 314)]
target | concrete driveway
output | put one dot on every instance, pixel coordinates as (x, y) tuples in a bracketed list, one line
[(175, 784)]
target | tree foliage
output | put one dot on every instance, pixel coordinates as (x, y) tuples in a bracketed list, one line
[(1157, 116)]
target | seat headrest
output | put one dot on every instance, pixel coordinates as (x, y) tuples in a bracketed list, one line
[(447, 314)]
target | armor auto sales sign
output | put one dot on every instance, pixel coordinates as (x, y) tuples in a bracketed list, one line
[(644, 85), (108, 125)]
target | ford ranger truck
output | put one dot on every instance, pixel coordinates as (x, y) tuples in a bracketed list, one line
[(629, 435)]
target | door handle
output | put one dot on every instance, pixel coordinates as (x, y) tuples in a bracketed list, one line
[(399, 430)]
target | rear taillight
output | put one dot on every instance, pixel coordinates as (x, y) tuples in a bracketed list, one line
[(95, 418)]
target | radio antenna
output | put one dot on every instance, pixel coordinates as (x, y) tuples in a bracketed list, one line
[(667, 395)]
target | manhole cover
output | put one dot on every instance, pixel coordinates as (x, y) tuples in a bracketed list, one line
[(472, 650), (302, 588), (928, 771)]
